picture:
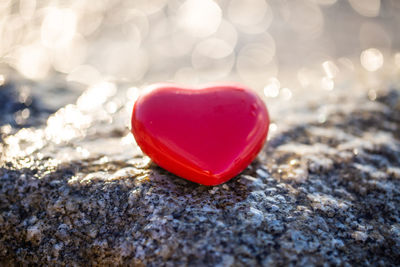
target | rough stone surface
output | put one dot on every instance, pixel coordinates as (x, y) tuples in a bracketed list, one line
[(324, 191)]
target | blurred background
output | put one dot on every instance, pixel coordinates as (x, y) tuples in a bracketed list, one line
[(281, 48), (196, 41)]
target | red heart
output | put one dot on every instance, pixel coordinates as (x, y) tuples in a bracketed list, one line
[(205, 135)]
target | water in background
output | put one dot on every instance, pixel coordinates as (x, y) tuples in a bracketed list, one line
[(256, 42)]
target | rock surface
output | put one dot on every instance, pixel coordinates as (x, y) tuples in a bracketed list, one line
[(325, 190)]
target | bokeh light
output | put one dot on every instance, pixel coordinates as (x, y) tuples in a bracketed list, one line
[(199, 18), (58, 27), (368, 8), (193, 42), (371, 59)]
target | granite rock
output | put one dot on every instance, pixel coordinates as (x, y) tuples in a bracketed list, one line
[(325, 191)]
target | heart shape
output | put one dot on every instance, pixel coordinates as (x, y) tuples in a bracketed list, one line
[(206, 135)]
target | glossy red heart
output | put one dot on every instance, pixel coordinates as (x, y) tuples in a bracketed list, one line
[(205, 135)]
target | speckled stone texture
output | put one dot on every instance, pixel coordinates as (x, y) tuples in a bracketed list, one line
[(322, 192)]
